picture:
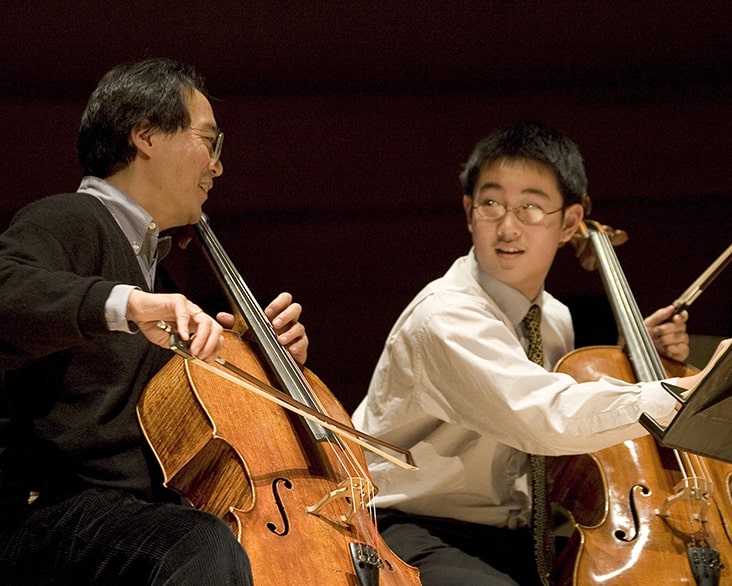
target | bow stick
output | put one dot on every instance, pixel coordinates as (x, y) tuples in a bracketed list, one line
[(247, 381), (696, 288)]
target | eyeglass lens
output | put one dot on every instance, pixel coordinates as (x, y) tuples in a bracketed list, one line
[(218, 145), (528, 214)]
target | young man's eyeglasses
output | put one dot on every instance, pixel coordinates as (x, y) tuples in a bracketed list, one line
[(527, 213)]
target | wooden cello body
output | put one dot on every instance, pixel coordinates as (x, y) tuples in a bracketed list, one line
[(294, 494), (642, 513)]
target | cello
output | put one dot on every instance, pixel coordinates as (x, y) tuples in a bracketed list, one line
[(281, 464), (642, 513)]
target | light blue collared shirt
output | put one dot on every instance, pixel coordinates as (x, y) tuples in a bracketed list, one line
[(143, 234)]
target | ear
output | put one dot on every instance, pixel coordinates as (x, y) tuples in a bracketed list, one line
[(140, 138), (468, 207), (573, 217)]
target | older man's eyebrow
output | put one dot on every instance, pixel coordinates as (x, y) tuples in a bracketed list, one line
[(209, 126)]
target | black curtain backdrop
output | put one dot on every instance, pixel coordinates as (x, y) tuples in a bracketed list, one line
[(347, 125)]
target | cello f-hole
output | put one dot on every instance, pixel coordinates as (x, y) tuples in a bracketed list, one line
[(725, 525), (622, 534), (308, 450), (280, 507)]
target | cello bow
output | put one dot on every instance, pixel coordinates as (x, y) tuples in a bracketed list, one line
[(703, 281)]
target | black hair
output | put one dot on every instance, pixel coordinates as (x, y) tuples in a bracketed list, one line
[(531, 140), (152, 92)]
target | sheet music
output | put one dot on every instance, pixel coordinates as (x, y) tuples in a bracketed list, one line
[(703, 424), (716, 372)]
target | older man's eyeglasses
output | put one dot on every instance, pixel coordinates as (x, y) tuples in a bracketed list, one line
[(527, 213), (215, 140)]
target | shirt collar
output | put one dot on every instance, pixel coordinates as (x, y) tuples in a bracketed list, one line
[(138, 226), (510, 301)]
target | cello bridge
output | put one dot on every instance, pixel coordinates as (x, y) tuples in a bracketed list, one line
[(354, 491), (697, 493)]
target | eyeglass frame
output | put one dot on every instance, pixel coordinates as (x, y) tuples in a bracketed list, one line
[(514, 209), (217, 142)]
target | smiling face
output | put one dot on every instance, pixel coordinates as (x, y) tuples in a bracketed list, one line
[(517, 254), (182, 168)]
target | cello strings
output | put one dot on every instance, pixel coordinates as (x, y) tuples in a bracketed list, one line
[(709, 496), (292, 378), (627, 312), (696, 482)]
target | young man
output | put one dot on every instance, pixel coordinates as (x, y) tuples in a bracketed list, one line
[(455, 385), (80, 342)]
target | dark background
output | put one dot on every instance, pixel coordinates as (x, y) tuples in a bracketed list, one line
[(347, 123)]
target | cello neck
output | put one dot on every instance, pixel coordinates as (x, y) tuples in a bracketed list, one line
[(639, 345), (282, 364)]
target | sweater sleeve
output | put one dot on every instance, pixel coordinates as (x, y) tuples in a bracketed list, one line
[(53, 289)]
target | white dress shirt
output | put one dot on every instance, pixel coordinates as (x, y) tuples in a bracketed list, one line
[(454, 385)]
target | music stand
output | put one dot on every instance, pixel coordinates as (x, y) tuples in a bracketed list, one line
[(703, 424)]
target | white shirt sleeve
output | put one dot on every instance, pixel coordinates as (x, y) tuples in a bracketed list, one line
[(474, 373)]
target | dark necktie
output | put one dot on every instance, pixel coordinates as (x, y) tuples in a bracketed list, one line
[(540, 508)]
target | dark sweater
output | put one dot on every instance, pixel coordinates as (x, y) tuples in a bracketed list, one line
[(71, 385)]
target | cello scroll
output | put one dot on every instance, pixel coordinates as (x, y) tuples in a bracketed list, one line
[(585, 252)]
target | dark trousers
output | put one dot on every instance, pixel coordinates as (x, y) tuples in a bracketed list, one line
[(103, 536), (456, 553)]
